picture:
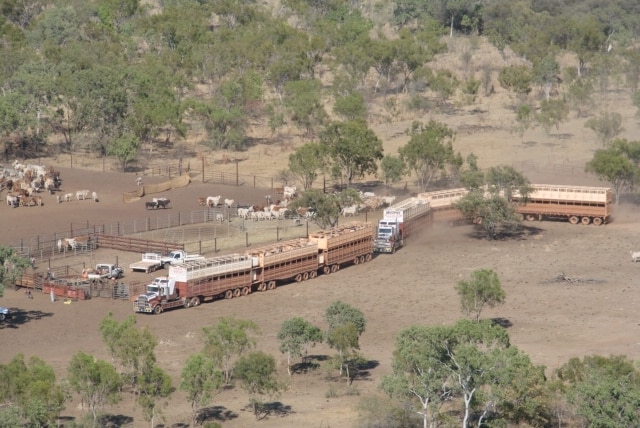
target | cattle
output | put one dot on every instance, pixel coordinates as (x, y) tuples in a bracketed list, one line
[(228, 203), (635, 256), (244, 212), (289, 192), (66, 243), (94, 196), (12, 200), (202, 201), (214, 201), (151, 205), (68, 197), (81, 195), (350, 210), (161, 202)]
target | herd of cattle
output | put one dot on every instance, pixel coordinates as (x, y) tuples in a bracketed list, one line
[(279, 210), (24, 182)]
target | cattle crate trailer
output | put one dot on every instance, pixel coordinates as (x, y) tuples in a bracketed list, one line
[(352, 243), (193, 282), (577, 204), (293, 259)]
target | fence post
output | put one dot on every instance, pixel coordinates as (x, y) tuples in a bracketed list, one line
[(199, 247), (246, 238), (271, 183), (202, 168), (215, 245), (254, 181), (277, 233), (237, 177)]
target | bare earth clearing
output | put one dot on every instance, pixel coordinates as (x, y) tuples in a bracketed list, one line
[(550, 320)]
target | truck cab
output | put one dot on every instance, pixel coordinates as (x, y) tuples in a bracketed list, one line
[(389, 237), (161, 289), (177, 257)]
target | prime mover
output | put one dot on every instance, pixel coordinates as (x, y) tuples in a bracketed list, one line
[(400, 221), (258, 269)]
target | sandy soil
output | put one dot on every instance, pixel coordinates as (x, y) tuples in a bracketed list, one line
[(550, 320)]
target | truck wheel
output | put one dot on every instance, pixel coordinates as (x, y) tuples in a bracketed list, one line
[(586, 220), (195, 301), (157, 309), (272, 285), (228, 294), (313, 274), (262, 286), (531, 217), (573, 219), (237, 292), (2, 317), (186, 303), (362, 259), (597, 221), (335, 268), (246, 291), (368, 257), (326, 270), (356, 261), (305, 276), (393, 250), (299, 278)]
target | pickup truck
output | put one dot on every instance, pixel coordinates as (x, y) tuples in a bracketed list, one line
[(105, 271), (149, 263), (177, 257)]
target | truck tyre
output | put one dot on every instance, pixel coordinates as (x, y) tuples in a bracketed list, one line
[(237, 292), (246, 291), (326, 270), (195, 301), (586, 220), (157, 309), (335, 268), (228, 294), (186, 303), (574, 219), (305, 276), (272, 285), (362, 259), (313, 274), (356, 261), (393, 250), (531, 217), (299, 277), (597, 221), (262, 286), (368, 257)]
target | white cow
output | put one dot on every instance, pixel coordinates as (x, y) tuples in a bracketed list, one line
[(213, 201), (350, 210), (82, 195), (228, 203), (94, 196), (289, 192), (635, 256)]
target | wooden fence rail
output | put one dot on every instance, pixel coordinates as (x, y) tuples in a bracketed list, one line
[(136, 245)]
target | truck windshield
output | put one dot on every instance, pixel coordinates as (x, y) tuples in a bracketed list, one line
[(152, 289), (384, 231)]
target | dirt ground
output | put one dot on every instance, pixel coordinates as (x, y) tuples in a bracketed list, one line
[(551, 320)]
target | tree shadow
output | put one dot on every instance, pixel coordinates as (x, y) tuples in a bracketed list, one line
[(502, 322), (215, 413), (273, 408), (363, 370), (506, 232), (19, 317), (309, 363), (114, 421)]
